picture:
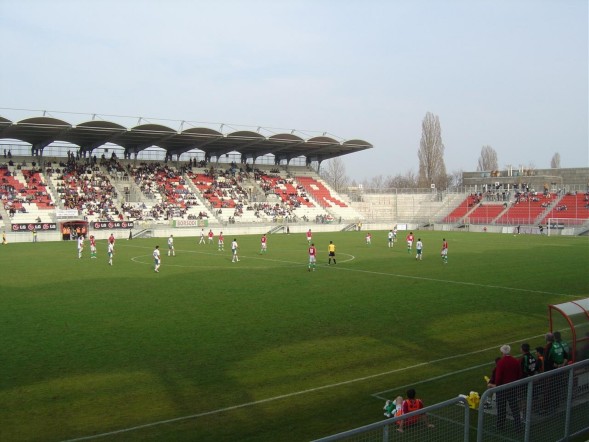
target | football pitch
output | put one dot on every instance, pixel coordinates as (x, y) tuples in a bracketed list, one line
[(262, 349)]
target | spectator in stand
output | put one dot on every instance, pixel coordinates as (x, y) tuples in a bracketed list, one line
[(508, 370), (412, 404)]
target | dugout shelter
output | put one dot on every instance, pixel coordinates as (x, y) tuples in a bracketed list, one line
[(572, 320), (72, 229)]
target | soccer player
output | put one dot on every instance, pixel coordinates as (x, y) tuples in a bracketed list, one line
[(444, 251), (409, 242), (309, 236), (331, 250), (80, 246), (263, 244), (92, 246), (211, 236), (395, 234), (312, 257), (368, 239), (234, 249), (111, 240), (171, 250), (202, 237), (391, 238), (110, 251), (4, 242), (157, 260), (419, 249), (221, 242)]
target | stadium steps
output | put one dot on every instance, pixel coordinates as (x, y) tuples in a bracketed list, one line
[(144, 233), (276, 229), (349, 227)]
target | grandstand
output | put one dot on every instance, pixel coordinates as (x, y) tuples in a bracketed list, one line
[(152, 176)]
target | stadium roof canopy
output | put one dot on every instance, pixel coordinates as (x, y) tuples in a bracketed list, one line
[(40, 132)]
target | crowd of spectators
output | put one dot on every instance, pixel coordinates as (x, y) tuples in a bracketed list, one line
[(163, 183), (287, 189), (223, 189), (15, 193), (81, 185)]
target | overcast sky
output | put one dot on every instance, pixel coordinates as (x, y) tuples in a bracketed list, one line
[(506, 73)]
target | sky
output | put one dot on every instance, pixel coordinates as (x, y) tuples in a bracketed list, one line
[(512, 74)]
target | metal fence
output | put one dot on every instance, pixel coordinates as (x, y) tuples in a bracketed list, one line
[(548, 407)]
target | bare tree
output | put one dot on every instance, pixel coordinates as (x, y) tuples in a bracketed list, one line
[(555, 162), (376, 182), (407, 181), (455, 179), (335, 174), (488, 159), (432, 169)]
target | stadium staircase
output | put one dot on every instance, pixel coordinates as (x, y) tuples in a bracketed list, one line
[(350, 227), (449, 202), (203, 203), (122, 185), (143, 233), (276, 229)]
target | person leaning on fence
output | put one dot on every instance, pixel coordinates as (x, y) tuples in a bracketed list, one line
[(412, 404)]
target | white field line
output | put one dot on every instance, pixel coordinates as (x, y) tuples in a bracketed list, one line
[(298, 393), (425, 381)]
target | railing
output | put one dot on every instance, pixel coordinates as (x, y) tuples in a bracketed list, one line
[(548, 407)]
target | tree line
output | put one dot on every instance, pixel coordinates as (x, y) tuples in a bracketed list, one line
[(431, 171)]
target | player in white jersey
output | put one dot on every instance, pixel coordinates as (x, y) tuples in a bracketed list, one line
[(157, 260), (80, 245), (110, 252), (391, 239), (202, 237), (419, 249), (234, 250), (171, 251)]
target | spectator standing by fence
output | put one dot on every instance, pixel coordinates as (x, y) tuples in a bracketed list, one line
[(508, 370)]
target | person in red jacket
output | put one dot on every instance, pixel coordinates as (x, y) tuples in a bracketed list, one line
[(412, 404), (508, 370)]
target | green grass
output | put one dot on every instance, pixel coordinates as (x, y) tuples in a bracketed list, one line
[(256, 349)]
